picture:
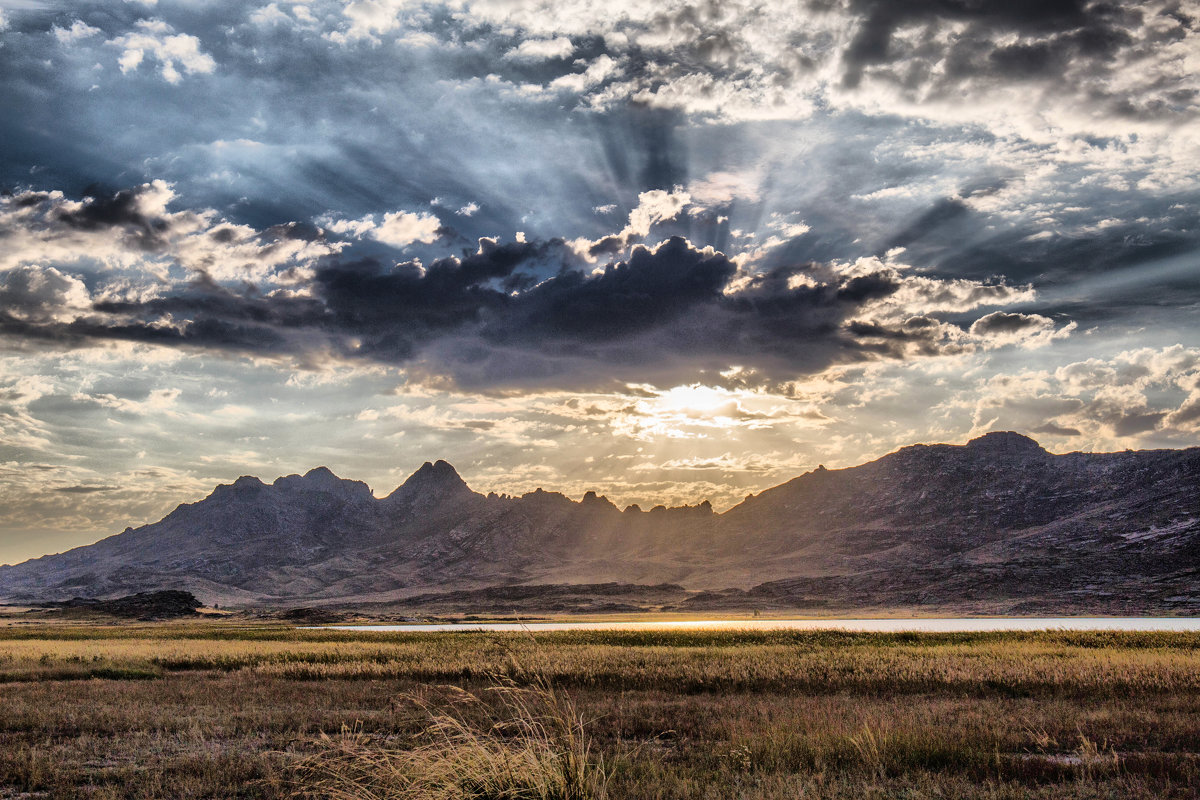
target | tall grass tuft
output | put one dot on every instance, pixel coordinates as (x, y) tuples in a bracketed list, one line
[(506, 742)]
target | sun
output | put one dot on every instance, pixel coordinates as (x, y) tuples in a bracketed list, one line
[(699, 402)]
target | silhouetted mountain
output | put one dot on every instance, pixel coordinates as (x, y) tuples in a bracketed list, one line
[(996, 524)]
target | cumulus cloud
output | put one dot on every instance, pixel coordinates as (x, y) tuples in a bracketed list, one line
[(1104, 402), (368, 18), (173, 51), (401, 228), (132, 233), (397, 229), (78, 31), (1091, 64), (599, 70), (1027, 330), (490, 317), (654, 206), (536, 49), (42, 294)]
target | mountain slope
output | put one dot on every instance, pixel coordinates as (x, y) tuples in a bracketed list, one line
[(998, 521)]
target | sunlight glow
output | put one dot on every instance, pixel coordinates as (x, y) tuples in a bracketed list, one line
[(696, 411)]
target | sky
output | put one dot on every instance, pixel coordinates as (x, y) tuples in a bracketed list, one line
[(668, 251)]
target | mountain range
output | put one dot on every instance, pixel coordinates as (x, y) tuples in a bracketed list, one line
[(997, 525)]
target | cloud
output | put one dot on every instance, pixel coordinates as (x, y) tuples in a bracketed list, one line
[(42, 294), (1056, 430), (132, 235), (401, 228), (86, 489), (537, 49), (1028, 330), (1106, 402), (397, 229), (1091, 67), (78, 31), (667, 312), (173, 51), (1085, 61), (654, 206), (524, 313), (601, 69), (368, 18)]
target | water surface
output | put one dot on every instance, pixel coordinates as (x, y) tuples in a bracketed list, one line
[(926, 625)]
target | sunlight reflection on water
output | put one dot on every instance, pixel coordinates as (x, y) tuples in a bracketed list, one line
[(964, 624)]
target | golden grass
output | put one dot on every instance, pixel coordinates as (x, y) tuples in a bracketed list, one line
[(267, 712), (521, 743)]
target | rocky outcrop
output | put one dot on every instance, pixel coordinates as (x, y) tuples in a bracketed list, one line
[(166, 604)]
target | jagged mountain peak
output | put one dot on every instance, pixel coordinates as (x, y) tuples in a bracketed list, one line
[(321, 479), (432, 478), (439, 471), (245, 486), (597, 501)]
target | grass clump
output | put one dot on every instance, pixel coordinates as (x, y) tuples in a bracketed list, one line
[(505, 742)]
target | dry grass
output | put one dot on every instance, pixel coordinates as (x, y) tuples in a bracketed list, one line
[(220, 711), (504, 743)]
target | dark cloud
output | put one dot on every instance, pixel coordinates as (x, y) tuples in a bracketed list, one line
[(1133, 424), (123, 209), (1137, 257), (86, 489), (38, 294), (397, 310), (879, 19), (653, 288), (490, 317), (947, 218), (1003, 322), (1057, 430)]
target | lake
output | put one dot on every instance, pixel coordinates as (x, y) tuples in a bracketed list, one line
[(928, 625)]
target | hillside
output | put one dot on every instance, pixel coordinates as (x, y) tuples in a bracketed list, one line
[(996, 524)]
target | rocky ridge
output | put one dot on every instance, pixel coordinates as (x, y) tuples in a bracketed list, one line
[(996, 524)]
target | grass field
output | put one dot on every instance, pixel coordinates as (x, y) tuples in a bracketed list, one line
[(217, 709)]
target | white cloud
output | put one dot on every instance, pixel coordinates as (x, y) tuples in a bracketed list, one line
[(350, 227), (159, 401), (269, 15), (78, 31), (370, 17), (723, 187), (173, 51), (136, 253), (540, 49), (600, 70), (402, 228), (396, 228), (653, 207), (1029, 331), (1099, 403)]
